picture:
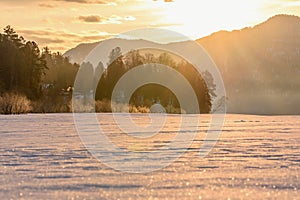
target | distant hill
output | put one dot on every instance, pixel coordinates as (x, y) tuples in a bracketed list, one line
[(260, 65), (78, 54)]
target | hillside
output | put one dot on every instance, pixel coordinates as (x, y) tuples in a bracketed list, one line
[(78, 53), (260, 65)]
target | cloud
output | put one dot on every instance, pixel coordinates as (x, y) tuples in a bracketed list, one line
[(129, 18), (44, 40), (55, 35), (52, 21), (167, 1), (163, 25), (91, 19), (291, 3), (44, 5), (62, 40), (114, 19), (89, 2)]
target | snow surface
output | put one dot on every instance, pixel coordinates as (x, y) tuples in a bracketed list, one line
[(256, 157)]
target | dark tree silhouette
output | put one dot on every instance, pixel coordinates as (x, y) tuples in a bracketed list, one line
[(21, 64), (152, 93)]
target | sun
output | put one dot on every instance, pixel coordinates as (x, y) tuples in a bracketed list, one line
[(204, 17)]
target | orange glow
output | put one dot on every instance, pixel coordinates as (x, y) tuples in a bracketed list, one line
[(76, 22)]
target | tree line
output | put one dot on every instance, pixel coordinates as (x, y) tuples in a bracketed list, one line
[(47, 79), (26, 69), (147, 95)]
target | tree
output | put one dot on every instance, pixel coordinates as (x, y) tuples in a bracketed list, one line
[(133, 59), (115, 57), (115, 70), (33, 67), (166, 59), (99, 72), (84, 79), (150, 93), (198, 84), (61, 73), (209, 80), (21, 64), (11, 35)]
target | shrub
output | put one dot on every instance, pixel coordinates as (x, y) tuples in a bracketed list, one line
[(13, 103), (82, 105), (143, 109), (51, 106), (103, 106), (133, 109), (106, 106)]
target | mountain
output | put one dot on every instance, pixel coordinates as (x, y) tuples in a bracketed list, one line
[(82, 51), (77, 54), (260, 65)]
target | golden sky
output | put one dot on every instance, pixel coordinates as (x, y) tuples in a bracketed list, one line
[(63, 24)]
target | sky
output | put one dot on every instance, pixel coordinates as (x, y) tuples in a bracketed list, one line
[(63, 24)]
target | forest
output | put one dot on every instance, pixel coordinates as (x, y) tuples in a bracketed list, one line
[(40, 81)]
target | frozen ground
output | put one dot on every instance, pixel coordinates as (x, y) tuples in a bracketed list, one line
[(42, 157)]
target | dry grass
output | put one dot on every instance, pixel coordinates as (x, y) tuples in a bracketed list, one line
[(173, 110), (107, 106), (13, 103), (51, 106), (83, 106), (103, 106)]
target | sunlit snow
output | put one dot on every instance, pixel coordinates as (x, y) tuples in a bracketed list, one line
[(256, 157)]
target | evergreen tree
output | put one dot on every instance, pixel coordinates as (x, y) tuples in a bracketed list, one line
[(21, 64)]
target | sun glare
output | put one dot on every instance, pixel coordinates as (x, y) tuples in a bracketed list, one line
[(210, 16)]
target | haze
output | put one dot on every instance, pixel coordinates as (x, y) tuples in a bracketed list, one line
[(63, 24)]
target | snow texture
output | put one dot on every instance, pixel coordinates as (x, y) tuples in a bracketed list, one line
[(256, 157)]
